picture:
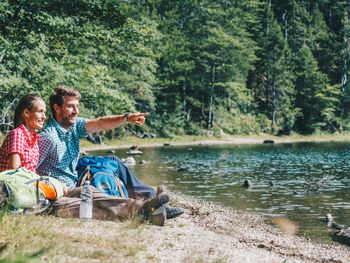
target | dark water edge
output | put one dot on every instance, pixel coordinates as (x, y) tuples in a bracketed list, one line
[(216, 173)]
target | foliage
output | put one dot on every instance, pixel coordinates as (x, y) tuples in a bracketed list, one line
[(241, 66)]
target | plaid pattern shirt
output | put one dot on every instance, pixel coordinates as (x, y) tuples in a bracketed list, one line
[(20, 141), (59, 151)]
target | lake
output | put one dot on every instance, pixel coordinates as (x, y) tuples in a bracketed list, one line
[(279, 174)]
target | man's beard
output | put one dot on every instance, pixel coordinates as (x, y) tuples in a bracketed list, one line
[(67, 122)]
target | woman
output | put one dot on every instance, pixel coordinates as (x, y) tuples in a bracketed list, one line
[(20, 146)]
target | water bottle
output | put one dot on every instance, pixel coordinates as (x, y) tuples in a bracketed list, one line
[(86, 202)]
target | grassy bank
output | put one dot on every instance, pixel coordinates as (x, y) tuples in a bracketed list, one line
[(51, 239)]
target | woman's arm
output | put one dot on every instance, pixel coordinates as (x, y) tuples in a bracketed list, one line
[(15, 160)]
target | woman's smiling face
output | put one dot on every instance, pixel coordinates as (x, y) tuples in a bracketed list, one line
[(34, 119)]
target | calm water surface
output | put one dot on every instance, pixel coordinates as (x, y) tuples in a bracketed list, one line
[(216, 173)]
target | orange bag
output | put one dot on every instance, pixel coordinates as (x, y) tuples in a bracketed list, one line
[(51, 188)]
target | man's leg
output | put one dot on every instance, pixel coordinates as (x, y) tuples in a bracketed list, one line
[(133, 184), (106, 207)]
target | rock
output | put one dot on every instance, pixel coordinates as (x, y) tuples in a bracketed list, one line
[(247, 183), (271, 183), (144, 135), (84, 153), (343, 236), (134, 147), (218, 132), (167, 144), (111, 151), (299, 192), (183, 169), (129, 160), (149, 135), (343, 233), (134, 152), (269, 142), (144, 162), (329, 218), (210, 133)]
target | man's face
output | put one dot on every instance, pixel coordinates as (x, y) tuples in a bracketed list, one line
[(67, 114)]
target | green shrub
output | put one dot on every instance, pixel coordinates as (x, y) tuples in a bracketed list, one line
[(193, 129), (235, 122)]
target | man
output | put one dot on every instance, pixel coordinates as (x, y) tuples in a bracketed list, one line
[(59, 142)]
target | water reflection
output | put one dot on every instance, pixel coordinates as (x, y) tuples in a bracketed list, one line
[(216, 173)]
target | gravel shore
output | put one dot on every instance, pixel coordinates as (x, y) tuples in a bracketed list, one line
[(211, 233), (206, 232)]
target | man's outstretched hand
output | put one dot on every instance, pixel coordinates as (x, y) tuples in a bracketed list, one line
[(137, 118)]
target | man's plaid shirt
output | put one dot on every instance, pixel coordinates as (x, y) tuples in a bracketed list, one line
[(59, 151)]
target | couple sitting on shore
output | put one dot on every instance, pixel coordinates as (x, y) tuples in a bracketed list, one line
[(55, 152)]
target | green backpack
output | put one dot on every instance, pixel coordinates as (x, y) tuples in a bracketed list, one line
[(23, 189)]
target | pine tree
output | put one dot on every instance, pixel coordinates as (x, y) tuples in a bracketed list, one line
[(272, 79), (313, 93)]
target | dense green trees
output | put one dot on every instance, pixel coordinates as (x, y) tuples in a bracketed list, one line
[(240, 66)]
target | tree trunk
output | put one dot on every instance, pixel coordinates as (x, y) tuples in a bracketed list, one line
[(346, 56), (284, 18), (184, 97), (274, 110), (210, 115), (188, 117), (267, 87)]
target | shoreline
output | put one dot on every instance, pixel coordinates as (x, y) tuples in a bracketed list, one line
[(148, 143)]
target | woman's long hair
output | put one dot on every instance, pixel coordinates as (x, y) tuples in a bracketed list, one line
[(26, 102)]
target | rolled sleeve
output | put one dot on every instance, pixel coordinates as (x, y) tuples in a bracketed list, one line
[(15, 142)]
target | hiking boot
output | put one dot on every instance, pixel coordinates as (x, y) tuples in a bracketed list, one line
[(172, 212), (153, 204), (158, 217)]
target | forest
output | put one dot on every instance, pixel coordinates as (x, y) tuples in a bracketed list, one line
[(231, 66)]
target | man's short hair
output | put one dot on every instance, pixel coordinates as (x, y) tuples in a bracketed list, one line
[(58, 96)]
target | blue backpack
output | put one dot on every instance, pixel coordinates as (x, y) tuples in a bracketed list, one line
[(102, 173)]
